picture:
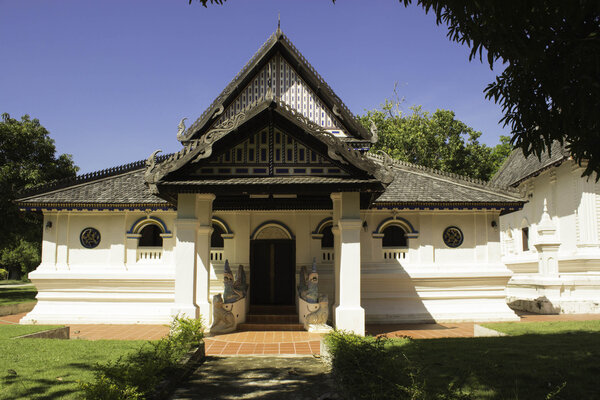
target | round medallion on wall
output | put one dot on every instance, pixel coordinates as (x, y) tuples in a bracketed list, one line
[(453, 236), (89, 238)]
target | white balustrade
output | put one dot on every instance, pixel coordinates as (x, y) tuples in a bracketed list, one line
[(149, 254), (217, 255), (392, 254), (327, 255)]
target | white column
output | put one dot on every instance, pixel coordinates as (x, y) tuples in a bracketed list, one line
[(49, 242), (349, 315), (62, 241), (186, 228), (204, 215)]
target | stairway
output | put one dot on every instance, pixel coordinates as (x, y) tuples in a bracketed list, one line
[(271, 318)]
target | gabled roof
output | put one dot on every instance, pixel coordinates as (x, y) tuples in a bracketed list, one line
[(195, 150), (517, 167), (277, 43)]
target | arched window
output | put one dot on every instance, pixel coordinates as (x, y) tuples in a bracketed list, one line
[(394, 236), (216, 240), (150, 236), (327, 239)]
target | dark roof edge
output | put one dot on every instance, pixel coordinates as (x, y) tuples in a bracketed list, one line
[(85, 178), (448, 204), (540, 170), (62, 205)]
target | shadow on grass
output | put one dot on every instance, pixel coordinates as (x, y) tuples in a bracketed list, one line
[(523, 367), (61, 386), (17, 295), (258, 377)]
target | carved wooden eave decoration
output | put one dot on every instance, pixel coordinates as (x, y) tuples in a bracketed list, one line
[(277, 43), (196, 150)]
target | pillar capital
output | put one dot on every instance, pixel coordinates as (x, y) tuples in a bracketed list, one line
[(350, 223), (205, 196)]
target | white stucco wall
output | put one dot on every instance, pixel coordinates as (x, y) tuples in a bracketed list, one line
[(432, 282), (573, 204)]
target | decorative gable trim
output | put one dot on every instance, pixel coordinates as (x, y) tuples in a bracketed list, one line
[(202, 148), (277, 43)]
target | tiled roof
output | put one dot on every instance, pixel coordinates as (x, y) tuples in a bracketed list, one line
[(517, 167), (126, 188), (414, 184)]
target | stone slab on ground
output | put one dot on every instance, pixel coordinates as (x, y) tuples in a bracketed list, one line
[(289, 378)]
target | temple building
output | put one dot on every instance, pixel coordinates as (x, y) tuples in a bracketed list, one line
[(274, 176), (552, 245)]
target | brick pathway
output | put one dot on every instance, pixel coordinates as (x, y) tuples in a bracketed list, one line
[(423, 331), (270, 342), (284, 343)]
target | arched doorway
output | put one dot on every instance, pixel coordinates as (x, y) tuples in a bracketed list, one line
[(272, 265)]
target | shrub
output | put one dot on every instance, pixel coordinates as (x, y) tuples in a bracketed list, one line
[(376, 368), (3, 274), (135, 375)]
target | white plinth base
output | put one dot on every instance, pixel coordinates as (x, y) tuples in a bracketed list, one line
[(576, 293), (350, 319), (65, 312), (185, 310), (319, 328), (410, 310)]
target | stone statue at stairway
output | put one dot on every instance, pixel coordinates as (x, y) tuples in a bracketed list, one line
[(223, 320), (302, 279), (310, 289), (231, 294), (320, 315), (240, 285)]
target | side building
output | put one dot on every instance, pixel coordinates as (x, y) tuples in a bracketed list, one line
[(552, 245)]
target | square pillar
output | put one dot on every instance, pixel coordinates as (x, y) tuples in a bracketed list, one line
[(186, 227), (204, 215), (348, 314)]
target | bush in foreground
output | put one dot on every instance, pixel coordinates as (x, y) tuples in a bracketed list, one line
[(377, 368), (136, 375)]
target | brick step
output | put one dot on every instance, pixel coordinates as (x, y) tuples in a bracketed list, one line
[(270, 327), (272, 319), (272, 310)]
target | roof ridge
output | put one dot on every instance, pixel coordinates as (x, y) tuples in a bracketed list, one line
[(189, 131), (88, 177), (466, 179)]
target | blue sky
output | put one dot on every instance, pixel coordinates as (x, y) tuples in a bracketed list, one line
[(111, 79)]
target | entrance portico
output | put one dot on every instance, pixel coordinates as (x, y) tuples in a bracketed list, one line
[(272, 260)]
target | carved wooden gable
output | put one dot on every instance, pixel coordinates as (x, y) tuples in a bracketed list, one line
[(263, 155), (286, 84)]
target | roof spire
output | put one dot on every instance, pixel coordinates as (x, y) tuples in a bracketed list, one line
[(278, 22)]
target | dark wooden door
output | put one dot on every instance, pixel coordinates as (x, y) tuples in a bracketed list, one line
[(272, 272)]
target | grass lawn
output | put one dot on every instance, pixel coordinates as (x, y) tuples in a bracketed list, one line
[(12, 282), (50, 368), (539, 360), (17, 295), (513, 367), (542, 328)]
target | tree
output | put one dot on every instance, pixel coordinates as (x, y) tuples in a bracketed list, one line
[(27, 158), (435, 140), (550, 89)]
